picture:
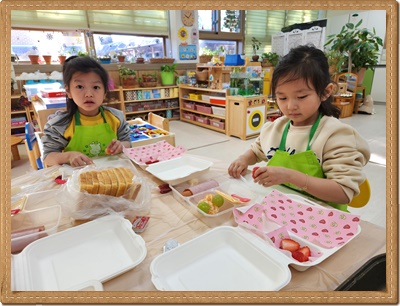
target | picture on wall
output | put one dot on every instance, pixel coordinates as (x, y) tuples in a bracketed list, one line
[(188, 52)]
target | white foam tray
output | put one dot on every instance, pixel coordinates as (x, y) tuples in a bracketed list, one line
[(178, 170), (223, 259), (95, 251)]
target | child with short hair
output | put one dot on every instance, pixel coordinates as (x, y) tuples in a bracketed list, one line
[(308, 148), (87, 128)]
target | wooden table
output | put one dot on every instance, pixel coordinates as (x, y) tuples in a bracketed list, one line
[(169, 219), (15, 141)]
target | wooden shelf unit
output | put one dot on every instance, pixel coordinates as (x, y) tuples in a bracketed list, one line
[(196, 113), (19, 116), (138, 102)]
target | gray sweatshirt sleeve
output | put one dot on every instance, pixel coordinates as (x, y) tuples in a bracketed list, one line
[(53, 139)]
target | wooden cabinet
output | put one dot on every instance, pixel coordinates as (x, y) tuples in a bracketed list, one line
[(246, 115), (203, 106)]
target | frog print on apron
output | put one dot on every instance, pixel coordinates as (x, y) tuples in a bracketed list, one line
[(91, 140)]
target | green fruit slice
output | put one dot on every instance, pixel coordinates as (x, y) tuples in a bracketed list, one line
[(204, 206), (218, 200)]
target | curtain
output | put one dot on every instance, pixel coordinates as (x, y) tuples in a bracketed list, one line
[(146, 22)]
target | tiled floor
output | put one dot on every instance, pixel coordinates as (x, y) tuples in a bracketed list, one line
[(204, 142)]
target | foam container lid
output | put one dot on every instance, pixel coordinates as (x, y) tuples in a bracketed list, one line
[(97, 250), (223, 259), (180, 169)]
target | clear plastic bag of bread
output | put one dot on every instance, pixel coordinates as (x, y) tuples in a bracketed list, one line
[(95, 191)]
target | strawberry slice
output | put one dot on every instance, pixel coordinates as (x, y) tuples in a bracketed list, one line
[(305, 250), (253, 172), (299, 256), (289, 245)]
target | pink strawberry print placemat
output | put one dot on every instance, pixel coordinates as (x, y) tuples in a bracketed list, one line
[(158, 151), (326, 227)]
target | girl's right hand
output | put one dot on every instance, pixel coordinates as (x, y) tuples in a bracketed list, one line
[(238, 167), (78, 159)]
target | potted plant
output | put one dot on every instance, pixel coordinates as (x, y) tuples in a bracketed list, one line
[(121, 57), (127, 77), (359, 45), (255, 44), (168, 74), (206, 55), (34, 55), (47, 58), (61, 56), (336, 60), (105, 59), (270, 59)]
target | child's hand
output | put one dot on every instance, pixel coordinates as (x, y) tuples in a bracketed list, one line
[(271, 175), (237, 167), (115, 147), (78, 159)]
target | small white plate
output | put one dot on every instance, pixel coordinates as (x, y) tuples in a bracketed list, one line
[(178, 170)]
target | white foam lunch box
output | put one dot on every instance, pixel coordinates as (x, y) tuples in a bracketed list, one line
[(95, 251)]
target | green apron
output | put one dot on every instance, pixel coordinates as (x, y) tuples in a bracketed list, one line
[(91, 140), (305, 162)]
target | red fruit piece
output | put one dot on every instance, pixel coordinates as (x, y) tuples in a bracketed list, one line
[(253, 172), (289, 245), (305, 250), (164, 188), (299, 256)]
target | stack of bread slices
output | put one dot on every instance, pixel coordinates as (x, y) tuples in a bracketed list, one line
[(111, 181)]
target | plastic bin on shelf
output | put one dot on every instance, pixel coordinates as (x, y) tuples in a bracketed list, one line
[(219, 111)]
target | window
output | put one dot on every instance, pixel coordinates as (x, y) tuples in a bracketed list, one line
[(130, 45), (25, 42), (263, 24), (149, 26), (220, 28)]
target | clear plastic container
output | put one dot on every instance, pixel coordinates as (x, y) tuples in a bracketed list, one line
[(227, 185), (28, 226)]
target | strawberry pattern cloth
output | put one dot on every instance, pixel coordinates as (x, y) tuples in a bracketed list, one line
[(158, 151), (328, 228)]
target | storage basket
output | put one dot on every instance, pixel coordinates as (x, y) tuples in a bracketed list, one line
[(203, 120), (205, 58), (204, 109), (217, 100), (217, 123), (205, 98), (219, 111), (202, 75), (188, 116), (194, 96), (188, 105)]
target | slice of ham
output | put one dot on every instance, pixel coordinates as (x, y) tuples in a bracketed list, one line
[(200, 188)]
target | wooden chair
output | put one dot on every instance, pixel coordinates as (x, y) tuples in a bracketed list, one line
[(158, 121), (346, 103), (32, 146)]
